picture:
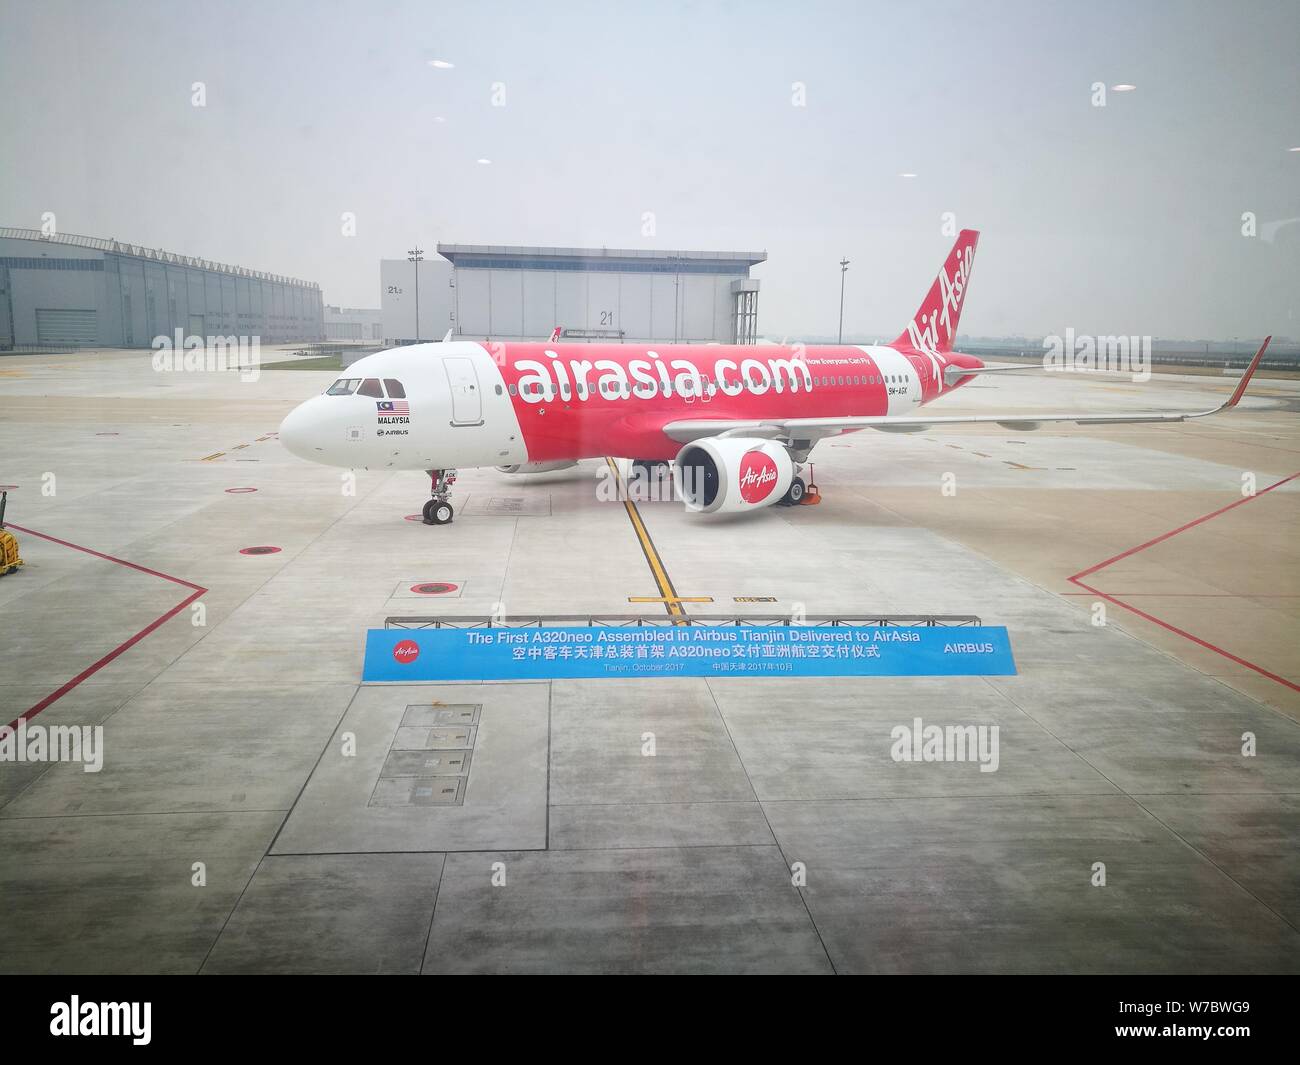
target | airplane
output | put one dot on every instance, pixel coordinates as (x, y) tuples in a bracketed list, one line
[(736, 422)]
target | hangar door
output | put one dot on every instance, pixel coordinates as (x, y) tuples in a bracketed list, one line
[(66, 327), (6, 312), (466, 403)]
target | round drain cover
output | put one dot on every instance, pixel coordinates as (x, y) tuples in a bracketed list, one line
[(434, 588), (258, 550), (240, 491)]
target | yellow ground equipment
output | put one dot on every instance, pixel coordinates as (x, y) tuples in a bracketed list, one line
[(9, 560)]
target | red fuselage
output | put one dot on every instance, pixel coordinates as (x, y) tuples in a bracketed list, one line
[(580, 400)]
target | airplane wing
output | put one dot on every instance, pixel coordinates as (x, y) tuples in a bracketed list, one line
[(816, 428)]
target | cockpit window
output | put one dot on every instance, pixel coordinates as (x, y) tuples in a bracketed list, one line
[(395, 389), (371, 387), (344, 386)]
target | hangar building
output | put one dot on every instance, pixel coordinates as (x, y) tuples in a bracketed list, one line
[(505, 293), (67, 290), (353, 323)]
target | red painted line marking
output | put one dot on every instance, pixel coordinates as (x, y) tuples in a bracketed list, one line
[(1198, 595), (1183, 528), (107, 558), (95, 667), (1164, 624)]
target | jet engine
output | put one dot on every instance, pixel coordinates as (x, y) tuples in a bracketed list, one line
[(720, 475), (536, 467)]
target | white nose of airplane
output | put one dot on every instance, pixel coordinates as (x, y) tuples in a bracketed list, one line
[(300, 430)]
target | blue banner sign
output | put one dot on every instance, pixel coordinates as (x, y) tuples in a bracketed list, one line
[(686, 651)]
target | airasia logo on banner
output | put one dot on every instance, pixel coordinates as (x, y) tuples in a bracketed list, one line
[(406, 651), (757, 476)]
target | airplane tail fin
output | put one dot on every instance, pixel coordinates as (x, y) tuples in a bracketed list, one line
[(934, 326)]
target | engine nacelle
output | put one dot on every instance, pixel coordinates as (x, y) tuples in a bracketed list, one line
[(719, 475), (536, 467)]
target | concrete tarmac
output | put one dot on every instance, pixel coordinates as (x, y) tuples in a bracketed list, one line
[(251, 816)]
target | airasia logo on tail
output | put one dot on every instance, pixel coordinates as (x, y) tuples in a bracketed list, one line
[(406, 651), (934, 328), (757, 476)]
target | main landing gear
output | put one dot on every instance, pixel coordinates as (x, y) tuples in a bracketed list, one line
[(438, 511), (802, 491)]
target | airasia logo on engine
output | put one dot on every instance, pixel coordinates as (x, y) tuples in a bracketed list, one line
[(757, 476)]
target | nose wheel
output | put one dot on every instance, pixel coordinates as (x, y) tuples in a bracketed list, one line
[(436, 513), (439, 511)]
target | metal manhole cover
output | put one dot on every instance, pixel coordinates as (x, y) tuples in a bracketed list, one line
[(418, 791), (505, 505), (426, 763), (428, 716), (433, 739)]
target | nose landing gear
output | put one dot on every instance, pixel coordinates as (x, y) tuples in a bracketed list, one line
[(438, 511)]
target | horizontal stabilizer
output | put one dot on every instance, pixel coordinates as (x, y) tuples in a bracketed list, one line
[(953, 374)]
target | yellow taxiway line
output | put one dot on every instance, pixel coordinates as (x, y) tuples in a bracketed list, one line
[(667, 593)]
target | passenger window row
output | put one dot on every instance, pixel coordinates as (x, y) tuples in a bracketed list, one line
[(583, 390), (393, 389), (872, 379)]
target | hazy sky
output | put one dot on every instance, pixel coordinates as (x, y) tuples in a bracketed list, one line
[(1117, 219)]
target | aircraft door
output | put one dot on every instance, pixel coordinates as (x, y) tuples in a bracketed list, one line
[(466, 400)]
